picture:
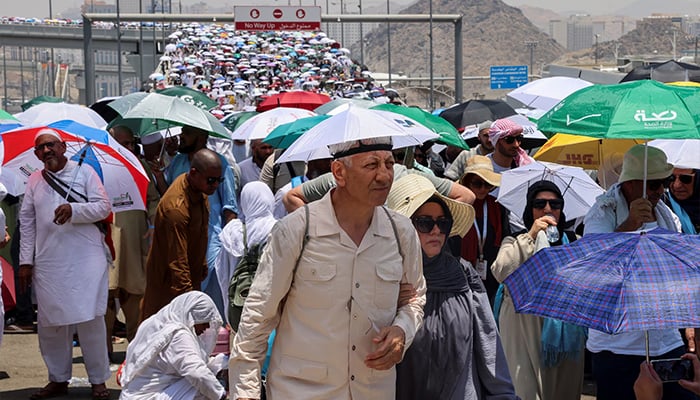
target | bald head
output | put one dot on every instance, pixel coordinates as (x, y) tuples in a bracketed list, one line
[(204, 159)]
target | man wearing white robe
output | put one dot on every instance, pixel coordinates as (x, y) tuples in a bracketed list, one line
[(64, 256)]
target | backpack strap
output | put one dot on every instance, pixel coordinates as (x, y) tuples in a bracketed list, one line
[(396, 232), (245, 240)]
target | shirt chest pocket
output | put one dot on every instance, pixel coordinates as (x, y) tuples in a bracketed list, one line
[(315, 286), (386, 288)]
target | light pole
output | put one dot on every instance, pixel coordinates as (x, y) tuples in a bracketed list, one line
[(595, 51), (327, 13), (362, 46), (342, 25), (388, 42), (4, 78), (432, 98), (119, 52), (140, 46), (52, 72), (531, 44)]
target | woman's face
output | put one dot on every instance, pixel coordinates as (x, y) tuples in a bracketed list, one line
[(480, 187), (431, 242), (547, 207)]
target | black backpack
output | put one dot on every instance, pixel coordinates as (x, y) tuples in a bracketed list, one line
[(243, 276)]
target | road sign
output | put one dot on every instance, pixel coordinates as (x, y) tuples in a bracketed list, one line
[(508, 76), (277, 18)]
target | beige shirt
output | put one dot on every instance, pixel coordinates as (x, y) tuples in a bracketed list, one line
[(326, 312)]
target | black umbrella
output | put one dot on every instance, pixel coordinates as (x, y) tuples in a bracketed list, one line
[(474, 112), (100, 107), (669, 71)]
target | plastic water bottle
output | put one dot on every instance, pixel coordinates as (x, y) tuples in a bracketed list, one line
[(552, 233)]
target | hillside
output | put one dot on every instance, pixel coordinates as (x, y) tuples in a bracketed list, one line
[(494, 34)]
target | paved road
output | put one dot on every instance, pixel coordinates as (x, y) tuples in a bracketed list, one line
[(20, 359)]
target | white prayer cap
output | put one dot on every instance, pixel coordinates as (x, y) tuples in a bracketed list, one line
[(47, 131), (151, 138)]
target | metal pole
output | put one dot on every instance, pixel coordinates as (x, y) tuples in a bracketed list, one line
[(35, 72), (4, 78), (342, 25), (459, 70), (328, 13), (89, 61), (52, 73), (362, 38), (595, 56), (388, 41), (696, 50), (432, 83), (140, 46), (21, 73), (155, 62), (120, 84)]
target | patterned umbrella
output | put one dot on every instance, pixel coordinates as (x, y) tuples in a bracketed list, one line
[(614, 282)]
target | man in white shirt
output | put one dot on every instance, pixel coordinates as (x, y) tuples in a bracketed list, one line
[(251, 166), (70, 287)]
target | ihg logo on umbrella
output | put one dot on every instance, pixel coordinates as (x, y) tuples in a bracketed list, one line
[(663, 119)]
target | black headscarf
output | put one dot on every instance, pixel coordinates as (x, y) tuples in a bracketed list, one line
[(532, 191)]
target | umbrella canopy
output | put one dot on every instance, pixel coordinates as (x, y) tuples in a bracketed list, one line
[(48, 113), (335, 106), (284, 135), (40, 99), (122, 174), (356, 123), (259, 126), (581, 151), (295, 99), (107, 113), (578, 189), (474, 112), (448, 133), (633, 110), (155, 110), (234, 120), (545, 93), (614, 282), (190, 96), (680, 153), (669, 71)]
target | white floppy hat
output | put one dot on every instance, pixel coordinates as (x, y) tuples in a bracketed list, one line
[(410, 192), (657, 166)]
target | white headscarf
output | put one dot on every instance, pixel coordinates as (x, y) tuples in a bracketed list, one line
[(156, 332), (257, 204)]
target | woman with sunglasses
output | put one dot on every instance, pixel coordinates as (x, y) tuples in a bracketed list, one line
[(457, 353), (545, 356), (683, 197), (480, 245)]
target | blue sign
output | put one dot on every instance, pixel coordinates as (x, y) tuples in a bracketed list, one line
[(508, 76)]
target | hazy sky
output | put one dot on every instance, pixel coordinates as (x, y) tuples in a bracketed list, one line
[(40, 8)]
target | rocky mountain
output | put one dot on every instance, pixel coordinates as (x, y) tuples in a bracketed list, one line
[(493, 34)]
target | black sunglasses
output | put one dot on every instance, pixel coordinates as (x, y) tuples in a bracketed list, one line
[(554, 204), (655, 184), (214, 179), (511, 139), (478, 184), (425, 224), (684, 178), (50, 145)]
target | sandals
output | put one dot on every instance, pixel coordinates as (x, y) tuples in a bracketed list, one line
[(100, 392), (53, 389)]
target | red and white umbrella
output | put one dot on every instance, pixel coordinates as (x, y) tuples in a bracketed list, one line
[(122, 174)]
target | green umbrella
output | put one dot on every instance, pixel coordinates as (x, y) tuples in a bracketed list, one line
[(40, 99), (448, 133), (284, 135), (191, 96), (6, 117), (155, 110), (233, 121), (643, 109)]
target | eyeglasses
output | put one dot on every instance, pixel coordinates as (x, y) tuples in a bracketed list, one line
[(511, 139), (478, 184), (425, 224), (215, 179), (50, 145), (655, 184), (554, 204), (684, 178)]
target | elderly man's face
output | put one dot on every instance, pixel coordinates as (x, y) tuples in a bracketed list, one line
[(683, 183), (367, 178), (50, 150)]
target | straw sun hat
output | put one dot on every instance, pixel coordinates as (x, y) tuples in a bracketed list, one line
[(482, 167), (410, 192)]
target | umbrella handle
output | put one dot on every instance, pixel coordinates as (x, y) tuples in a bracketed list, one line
[(75, 173), (646, 343)]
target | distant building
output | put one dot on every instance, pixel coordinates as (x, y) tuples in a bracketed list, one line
[(558, 31), (579, 33)]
